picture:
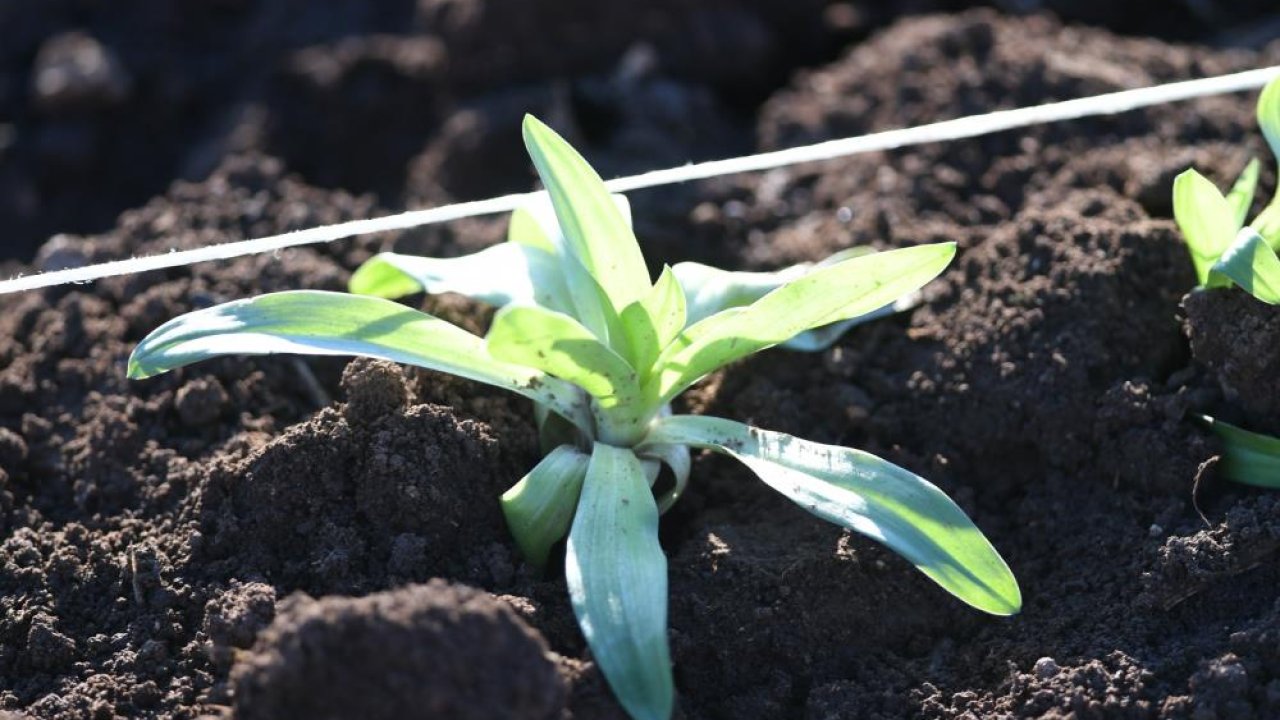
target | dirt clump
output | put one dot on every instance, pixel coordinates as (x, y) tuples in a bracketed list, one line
[(421, 651), (374, 492), (1238, 337)]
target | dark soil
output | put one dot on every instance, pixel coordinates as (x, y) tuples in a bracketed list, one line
[(163, 540), (430, 650)]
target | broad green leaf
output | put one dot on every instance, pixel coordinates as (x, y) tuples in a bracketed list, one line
[(1253, 265), (1269, 115), (499, 275), (310, 322), (535, 224), (594, 232), (382, 276), (827, 295), (654, 321), (617, 578), (710, 289), (1241, 196), (1250, 458), (1267, 224), (868, 495), (560, 346), (539, 508), (528, 230), (1206, 219), (713, 289), (1268, 221)]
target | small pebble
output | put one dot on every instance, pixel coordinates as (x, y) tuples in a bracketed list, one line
[(1045, 668)]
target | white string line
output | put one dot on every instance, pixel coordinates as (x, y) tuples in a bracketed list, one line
[(966, 127)]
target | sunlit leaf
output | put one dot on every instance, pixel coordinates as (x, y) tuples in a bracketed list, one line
[(1206, 220), (308, 322), (1268, 221), (868, 495), (1250, 263), (712, 289), (528, 229), (653, 322), (611, 273), (1241, 196), (617, 578), (499, 275), (1267, 224), (1269, 115), (827, 295), (709, 289), (560, 346)]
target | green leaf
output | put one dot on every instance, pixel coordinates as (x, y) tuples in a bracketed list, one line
[(535, 224), (1206, 219), (1241, 196), (560, 346), (1268, 221), (503, 274), (385, 276), (1250, 458), (710, 289), (868, 495), (1269, 115), (527, 229), (1267, 224), (675, 457), (1253, 265), (827, 295), (617, 578), (539, 508), (652, 323), (309, 322), (610, 274)]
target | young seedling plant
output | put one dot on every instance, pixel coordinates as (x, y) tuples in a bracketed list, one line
[(1225, 250), (602, 351)]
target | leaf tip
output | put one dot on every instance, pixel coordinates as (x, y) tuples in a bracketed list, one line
[(135, 370), (1009, 604), (531, 127)]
